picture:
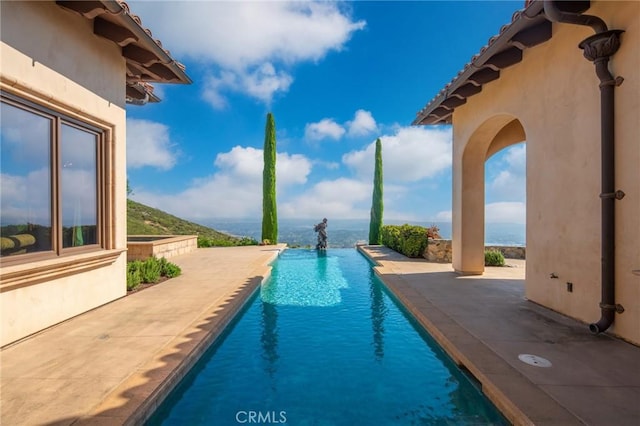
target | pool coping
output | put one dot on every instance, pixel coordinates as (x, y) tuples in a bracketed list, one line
[(150, 404), (435, 323), (488, 350), (117, 363), (235, 304)]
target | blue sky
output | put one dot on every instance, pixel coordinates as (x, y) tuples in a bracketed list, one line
[(336, 76)]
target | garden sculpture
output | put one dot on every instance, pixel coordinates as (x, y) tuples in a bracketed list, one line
[(321, 229)]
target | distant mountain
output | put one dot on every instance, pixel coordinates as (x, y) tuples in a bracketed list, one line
[(299, 232), (348, 232), (145, 220)]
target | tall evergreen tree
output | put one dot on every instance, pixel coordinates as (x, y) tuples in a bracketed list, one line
[(269, 210), (377, 206)]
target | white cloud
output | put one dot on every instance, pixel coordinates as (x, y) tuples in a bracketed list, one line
[(240, 38), (409, 155), (261, 83), (329, 165), (149, 144), (235, 190), (265, 81), (323, 129), (444, 216), (214, 86), (343, 198), (362, 124), (509, 184), (500, 212), (245, 165), (505, 212)]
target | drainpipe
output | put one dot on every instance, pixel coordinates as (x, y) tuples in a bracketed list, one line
[(598, 49)]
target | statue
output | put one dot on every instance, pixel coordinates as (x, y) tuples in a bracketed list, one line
[(321, 229)]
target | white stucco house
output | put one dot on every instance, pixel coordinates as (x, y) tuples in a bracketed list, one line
[(67, 71), (565, 78)]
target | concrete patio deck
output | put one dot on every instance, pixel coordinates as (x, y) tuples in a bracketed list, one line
[(110, 365), (485, 323)]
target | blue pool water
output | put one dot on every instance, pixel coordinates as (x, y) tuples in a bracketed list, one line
[(323, 343)]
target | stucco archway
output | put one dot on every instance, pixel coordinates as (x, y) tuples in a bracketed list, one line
[(491, 136)]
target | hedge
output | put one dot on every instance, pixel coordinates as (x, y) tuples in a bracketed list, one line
[(410, 240)]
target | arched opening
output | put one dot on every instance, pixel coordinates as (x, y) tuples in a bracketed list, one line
[(468, 233)]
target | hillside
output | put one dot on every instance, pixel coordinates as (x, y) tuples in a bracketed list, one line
[(144, 220)]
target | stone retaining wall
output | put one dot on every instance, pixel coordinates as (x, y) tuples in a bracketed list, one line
[(510, 252), (440, 251), (163, 246)]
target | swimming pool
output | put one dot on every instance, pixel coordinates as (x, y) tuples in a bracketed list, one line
[(323, 343)]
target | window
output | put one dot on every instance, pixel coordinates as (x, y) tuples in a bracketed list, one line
[(50, 165)]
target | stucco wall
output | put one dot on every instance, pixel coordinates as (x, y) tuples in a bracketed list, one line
[(554, 95), (64, 41), (52, 57)]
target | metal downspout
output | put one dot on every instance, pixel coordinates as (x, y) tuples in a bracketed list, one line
[(598, 49)]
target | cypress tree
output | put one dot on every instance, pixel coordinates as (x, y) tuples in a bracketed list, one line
[(377, 207), (269, 210)]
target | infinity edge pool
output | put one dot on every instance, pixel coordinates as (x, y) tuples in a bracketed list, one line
[(232, 318)]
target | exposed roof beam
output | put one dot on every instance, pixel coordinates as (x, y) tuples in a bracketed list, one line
[(483, 76), (441, 111), (505, 59), (467, 90), (533, 36), (119, 35), (453, 102), (140, 55), (88, 9), (138, 73), (141, 93), (164, 72)]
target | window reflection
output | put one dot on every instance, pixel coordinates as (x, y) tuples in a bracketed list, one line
[(49, 180), (78, 186), (25, 183)]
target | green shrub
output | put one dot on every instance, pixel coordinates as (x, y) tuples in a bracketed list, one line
[(172, 271), (133, 275), (168, 269), (390, 236), (204, 242), (409, 240), (246, 241), (493, 258), (414, 244), (150, 270)]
